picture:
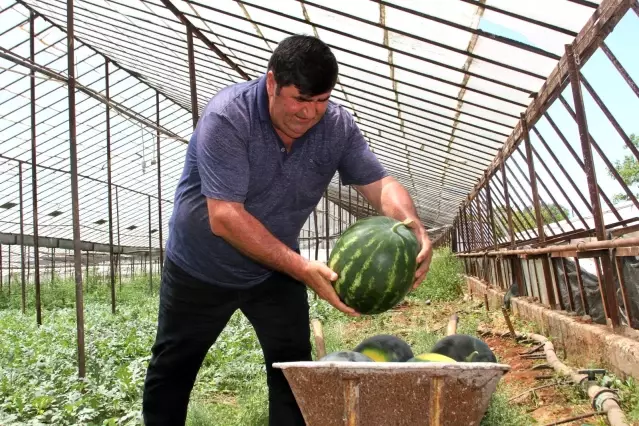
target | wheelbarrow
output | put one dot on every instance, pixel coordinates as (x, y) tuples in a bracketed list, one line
[(333, 393)]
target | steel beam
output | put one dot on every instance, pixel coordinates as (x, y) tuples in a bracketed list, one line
[(75, 203)]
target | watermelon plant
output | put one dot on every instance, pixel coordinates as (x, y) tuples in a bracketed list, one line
[(375, 259)]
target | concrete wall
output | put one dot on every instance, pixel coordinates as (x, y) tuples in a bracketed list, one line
[(586, 345)]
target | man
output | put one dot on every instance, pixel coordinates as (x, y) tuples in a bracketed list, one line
[(260, 158)]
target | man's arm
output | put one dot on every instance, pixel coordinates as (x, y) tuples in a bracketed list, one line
[(391, 199), (230, 221)]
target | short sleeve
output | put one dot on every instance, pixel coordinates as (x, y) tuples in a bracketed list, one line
[(359, 165), (222, 158)]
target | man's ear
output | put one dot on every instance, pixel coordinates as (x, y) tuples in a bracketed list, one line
[(271, 84)]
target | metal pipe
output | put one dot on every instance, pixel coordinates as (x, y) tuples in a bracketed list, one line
[(73, 160), (192, 76), (580, 116), (109, 182), (34, 179), (578, 247), (159, 159), (316, 233), (117, 218), (22, 271)]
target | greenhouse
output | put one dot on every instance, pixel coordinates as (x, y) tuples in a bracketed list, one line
[(511, 125)]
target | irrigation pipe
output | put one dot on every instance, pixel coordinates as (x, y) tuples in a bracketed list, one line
[(602, 399)]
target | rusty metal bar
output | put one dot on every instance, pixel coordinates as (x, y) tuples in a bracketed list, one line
[(555, 272), (52, 265), (326, 222), (624, 292), (34, 177), (620, 68), (523, 227), (509, 213), (560, 187), (1, 272), (192, 28), (571, 300), (581, 163), (109, 182), (339, 198), (150, 247), (580, 116), (541, 201), (605, 159), (192, 76), (73, 159), (525, 222), (159, 165), (468, 243), (117, 218), (491, 214), (610, 116), (487, 225), (316, 233), (604, 300), (600, 24), (561, 167), (22, 271), (463, 232), (480, 223)]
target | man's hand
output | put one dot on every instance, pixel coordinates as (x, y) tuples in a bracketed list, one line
[(425, 254), (318, 277)]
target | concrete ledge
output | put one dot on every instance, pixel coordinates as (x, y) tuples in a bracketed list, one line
[(585, 344)]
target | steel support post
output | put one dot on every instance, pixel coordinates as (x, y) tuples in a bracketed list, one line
[(22, 271), (159, 158), (73, 160), (326, 222), (192, 77), (591, 176), (34, 177), (109, 185), (150, 247)]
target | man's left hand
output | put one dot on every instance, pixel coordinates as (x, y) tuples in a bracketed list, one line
[(425, 254)]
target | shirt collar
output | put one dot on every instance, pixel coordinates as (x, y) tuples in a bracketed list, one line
[(262, 99)]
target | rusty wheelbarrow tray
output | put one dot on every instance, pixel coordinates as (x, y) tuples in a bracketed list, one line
[(392, 393)]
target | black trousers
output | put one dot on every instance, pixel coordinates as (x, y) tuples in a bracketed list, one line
[(192, 314)]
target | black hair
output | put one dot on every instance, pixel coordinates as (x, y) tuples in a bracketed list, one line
[(305, 62)]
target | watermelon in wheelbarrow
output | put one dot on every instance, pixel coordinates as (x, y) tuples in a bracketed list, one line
[(392, 393)]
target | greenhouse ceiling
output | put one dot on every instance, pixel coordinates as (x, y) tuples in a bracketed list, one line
[(437, 87)]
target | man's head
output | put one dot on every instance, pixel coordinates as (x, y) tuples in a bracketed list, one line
[(301, 75)]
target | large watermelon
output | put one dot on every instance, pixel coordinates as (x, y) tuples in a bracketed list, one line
[(346, 356), (464, 348), (431, 357), (385, 348), (375, 259)]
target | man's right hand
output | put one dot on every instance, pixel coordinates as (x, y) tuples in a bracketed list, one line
[(318, 276)]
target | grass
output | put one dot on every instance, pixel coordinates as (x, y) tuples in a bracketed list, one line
[(38, 383)]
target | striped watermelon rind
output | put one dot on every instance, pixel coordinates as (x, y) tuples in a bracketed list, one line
[(375, 259)]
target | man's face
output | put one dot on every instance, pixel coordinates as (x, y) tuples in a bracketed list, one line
[(293, 114)]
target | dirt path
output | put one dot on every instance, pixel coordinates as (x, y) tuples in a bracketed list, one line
[(545, 405)]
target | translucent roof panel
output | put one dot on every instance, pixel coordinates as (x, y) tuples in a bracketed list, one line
[(436, 86)]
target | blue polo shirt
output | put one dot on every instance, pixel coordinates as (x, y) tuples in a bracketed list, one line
[(235, 154)]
